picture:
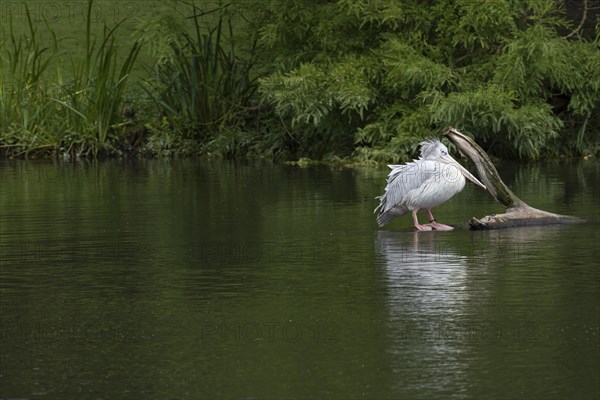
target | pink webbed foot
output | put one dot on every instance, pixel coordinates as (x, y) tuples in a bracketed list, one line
[(440, 227), (434, 224), (423, 228)]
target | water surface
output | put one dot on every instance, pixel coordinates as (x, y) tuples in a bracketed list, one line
[(214, 279)]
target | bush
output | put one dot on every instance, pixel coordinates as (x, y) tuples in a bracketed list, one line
[(403, 70)]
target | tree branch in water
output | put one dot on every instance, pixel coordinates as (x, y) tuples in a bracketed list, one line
[(518, 213)]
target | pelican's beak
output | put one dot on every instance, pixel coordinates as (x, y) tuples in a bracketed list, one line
[(446, 159)]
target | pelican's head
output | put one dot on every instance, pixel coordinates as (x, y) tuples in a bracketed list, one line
[(435, 150), (432, 149)]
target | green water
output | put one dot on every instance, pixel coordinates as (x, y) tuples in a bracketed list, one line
[(222, 280)]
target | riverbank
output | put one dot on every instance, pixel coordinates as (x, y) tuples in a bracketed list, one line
[(214, 83)]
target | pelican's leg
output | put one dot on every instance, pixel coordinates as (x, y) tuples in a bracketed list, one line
[(435, 225), (417, 225)]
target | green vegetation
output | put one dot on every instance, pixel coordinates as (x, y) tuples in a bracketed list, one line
[(362, 80), (77, 115), (202, 87)]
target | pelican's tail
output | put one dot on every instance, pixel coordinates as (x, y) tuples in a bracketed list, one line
[(384, 217)]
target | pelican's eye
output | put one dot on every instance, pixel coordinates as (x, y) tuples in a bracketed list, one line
[(444, 152)]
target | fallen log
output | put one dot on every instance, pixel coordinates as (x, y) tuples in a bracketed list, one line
[(518, 213)]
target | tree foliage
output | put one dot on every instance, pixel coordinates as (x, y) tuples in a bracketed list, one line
[(386, 73), (305, 78)]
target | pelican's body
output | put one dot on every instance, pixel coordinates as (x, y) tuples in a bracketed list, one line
[(421, 185)]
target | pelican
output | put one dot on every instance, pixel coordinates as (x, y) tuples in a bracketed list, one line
[(421, 185)]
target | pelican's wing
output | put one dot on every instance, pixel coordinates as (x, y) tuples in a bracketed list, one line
[(402, 180)]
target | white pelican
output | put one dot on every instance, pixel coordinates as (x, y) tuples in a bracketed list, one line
[(421, 185)]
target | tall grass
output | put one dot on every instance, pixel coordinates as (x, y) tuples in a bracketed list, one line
[(203, 86), (25, 114), (200, 85), (76, 115), (92, 97)]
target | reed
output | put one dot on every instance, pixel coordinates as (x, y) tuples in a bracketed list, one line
[(203, 86), (77, 115), (25, 114), (91, 98)]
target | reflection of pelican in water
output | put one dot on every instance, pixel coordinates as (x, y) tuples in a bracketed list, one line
[(427, 301), (425, 275), (421, 185), (454, 304)]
